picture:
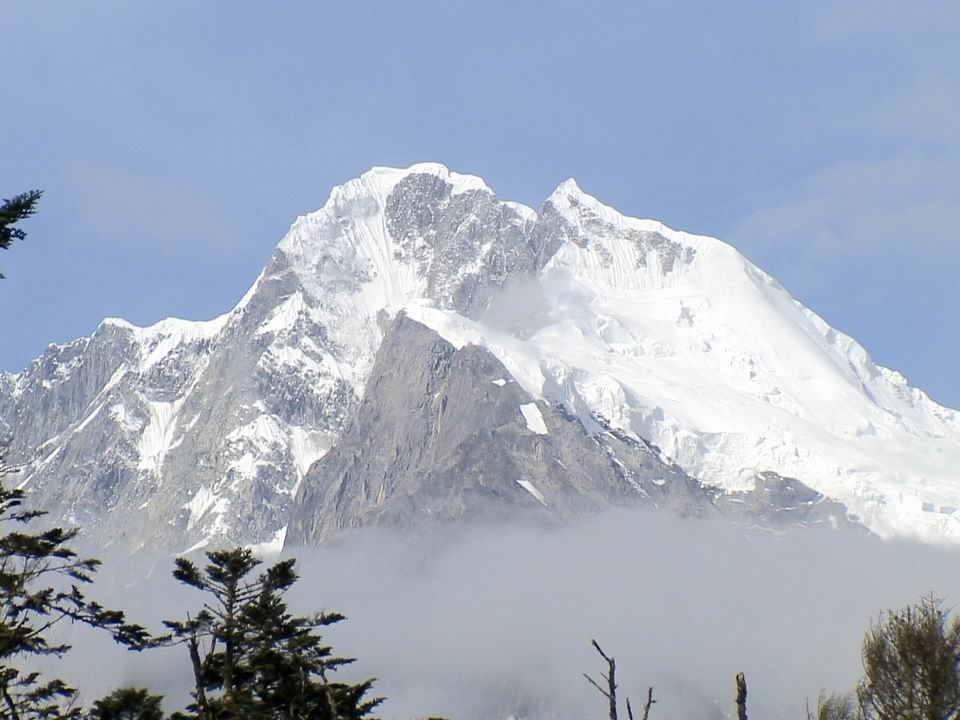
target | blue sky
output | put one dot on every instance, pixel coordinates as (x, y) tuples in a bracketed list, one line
[(176, 141)]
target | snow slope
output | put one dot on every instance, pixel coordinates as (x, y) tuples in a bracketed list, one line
[(713, 361), (674, 338)]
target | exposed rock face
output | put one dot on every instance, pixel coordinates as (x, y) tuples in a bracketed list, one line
[(778, 504), (186, 433), (465, 246), (170, 435), (445, 433), (634, 358)]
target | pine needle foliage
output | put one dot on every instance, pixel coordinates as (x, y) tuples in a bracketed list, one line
[(833, 707), (12, 211), (40, 587), (911, 662), (128, 704), (251, 657)]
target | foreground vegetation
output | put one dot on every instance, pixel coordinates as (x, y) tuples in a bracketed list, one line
[(251, 658), (911, 664)]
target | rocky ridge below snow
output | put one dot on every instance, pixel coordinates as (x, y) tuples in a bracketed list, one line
[(189, 433)]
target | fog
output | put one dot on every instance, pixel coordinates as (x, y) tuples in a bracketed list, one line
[(493, 621), (520, 307)]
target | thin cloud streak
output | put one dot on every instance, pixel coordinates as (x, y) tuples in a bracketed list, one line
[(925, 111), (129, 208), (841, 20), (854, 208)]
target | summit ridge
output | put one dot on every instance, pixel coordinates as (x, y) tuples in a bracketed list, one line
[(185, 433)]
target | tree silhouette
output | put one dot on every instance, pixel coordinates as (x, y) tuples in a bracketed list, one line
[(128, 704), (911, 663), (40, 580), (12, 211), (250, 657)]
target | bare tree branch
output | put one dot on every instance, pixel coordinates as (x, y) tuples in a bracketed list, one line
[(594, 683), (650, 701), (611, 677)]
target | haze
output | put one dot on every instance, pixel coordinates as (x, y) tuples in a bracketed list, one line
[(488, 622)]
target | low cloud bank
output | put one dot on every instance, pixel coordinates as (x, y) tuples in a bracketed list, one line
[(491, 621)]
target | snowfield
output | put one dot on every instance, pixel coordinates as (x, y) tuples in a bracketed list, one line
[(680, 340), (674, 338)]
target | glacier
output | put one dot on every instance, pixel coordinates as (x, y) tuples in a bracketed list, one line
[(674, 339)]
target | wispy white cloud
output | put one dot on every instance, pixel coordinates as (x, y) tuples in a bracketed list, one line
[(852, 208), (927, 110), (130, 208), (840, 20), (894, 185)]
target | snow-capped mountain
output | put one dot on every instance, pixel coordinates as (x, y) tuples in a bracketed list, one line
[(186, 432)]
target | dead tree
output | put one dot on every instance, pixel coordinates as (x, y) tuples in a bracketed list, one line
[(610, 693), (611, 677), (646, 707), (741, 696)]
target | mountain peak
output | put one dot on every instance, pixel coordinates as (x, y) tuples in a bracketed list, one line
[(569, 194), (388, 177), (673, 339), (579, 206)]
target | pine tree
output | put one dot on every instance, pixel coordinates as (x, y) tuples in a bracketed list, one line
[(128, 704), (911, 662), (833, 707), (251, 658), (40, 579), (12, 211)]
